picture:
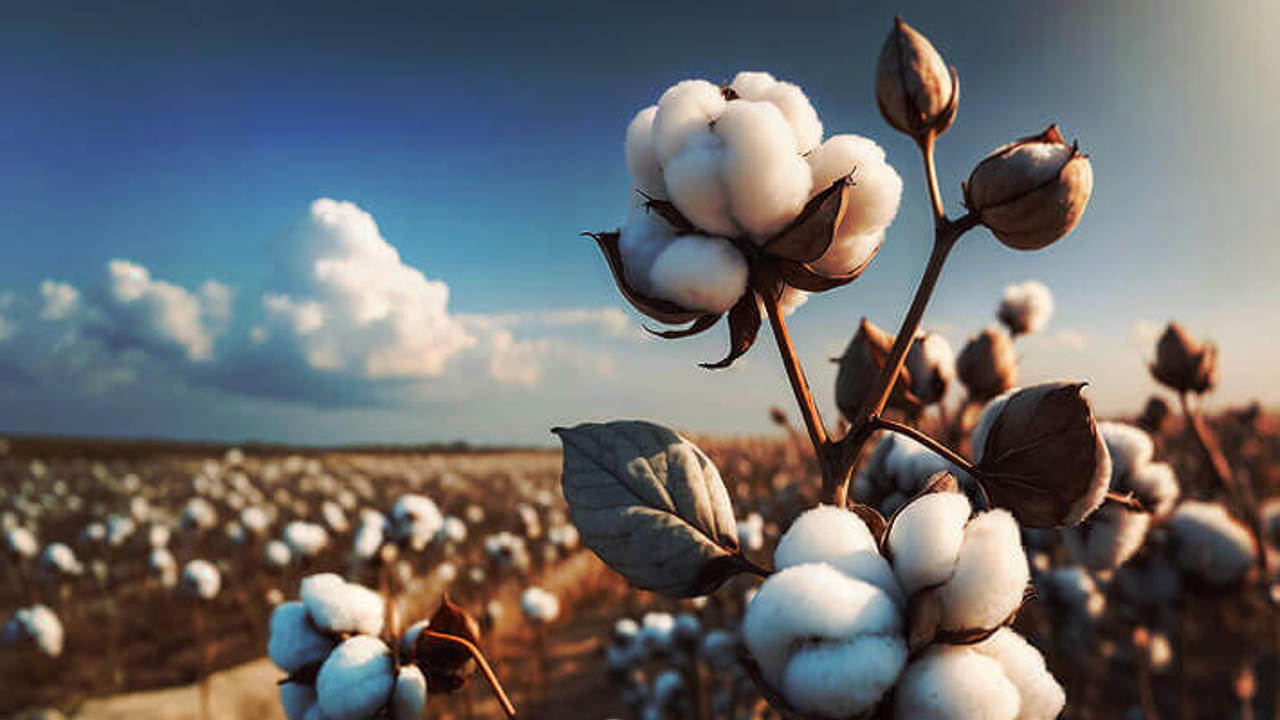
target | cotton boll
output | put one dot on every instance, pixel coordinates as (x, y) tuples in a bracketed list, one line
[(21, 542), (356, 680), (410, 696), (991, 574), (789, 99), (1108, 538), (305, 539), (1156, 487), (338, 606), (642, 156), (1073, 587), (1211, 545), (926, 538), (57, 558), (768, 183), (657, 632), (1040, 695), (876, 191), (201, 580), (37, 625), (409, 640), (801, 603), (368, 540), (277, 554), (955, 683), (1026, 308), (848, 253), (685, 108), (1130, 449), (539, 606), (640, 241), (415, 521), (695, 182), (826, 534), (843, 679), (294, 641), (296, 699), (700, 273)]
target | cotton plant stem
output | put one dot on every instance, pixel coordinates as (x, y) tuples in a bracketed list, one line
[(800, 387), (483, 664)]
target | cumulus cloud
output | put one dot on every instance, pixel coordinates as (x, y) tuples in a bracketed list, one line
[(60, 300), (141, 311)]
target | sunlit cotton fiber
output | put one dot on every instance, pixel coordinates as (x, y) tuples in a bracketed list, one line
[(357, 679), (201, 579), (790, 101), (700, 273), (642, 156), (925, 539), (826, 534), (1211, 545), (336, 605), (955, 683), (1039, 694), (1026, 306), (294, 640), (991, 574), (844, 678)]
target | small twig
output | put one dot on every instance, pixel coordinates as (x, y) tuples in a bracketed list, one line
[(483, 664)]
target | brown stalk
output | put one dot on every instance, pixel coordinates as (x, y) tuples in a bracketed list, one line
[(483, 664), (799, 385)]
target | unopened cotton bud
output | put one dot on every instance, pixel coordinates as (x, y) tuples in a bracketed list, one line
[(1025, 308), (701, 273), (1154, 415), (860, 366), (1043, 437), (987, 365), (1032, 191), (1183, 364), (932, 366), (915, 90)]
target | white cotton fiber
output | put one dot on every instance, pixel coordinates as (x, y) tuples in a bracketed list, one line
[(700, 273), (37, 625), (337, 606), (845, 678), (991, 574), (812, 601), (305, 539), (696, 183), (356, 680), (368, 539), (877, 188), (21, 542), (539, 606), (642, 156), (1108, 538), (410, 696), (295, 642), (955, 683), (415, 521), (768, 183), (826, 534), (640, 241), (201, 580), (1211, 544), (925, 539), (1040, 696), (1026, 306), (685, 108), (1156, 487), (60, 559), (790, 101), (277, 554), (990, 411), (296, 699), (1130, 449)]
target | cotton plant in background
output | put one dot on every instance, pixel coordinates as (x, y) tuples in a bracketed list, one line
[(36, 626), (1025, 308)]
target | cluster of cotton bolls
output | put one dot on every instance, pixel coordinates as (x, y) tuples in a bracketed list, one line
[(740, 163), (37, 626), (897, 470), (839, 624), (338, 665)]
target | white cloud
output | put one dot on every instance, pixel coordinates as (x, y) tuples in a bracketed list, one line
[(1146, 332), (139, 310), (60, 300), (517, 362), (1063, 340), (345, 302)]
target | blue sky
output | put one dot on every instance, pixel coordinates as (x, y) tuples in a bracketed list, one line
[(191, 139)]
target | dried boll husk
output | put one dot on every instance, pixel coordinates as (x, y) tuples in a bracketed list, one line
[(916, 92), (1032, 191), (1184, 365), (448, 665), (987, 365), (860, 366), (1039, 453)]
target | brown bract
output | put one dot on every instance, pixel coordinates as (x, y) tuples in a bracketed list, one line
[(1184, 365), (1044, 458), (783, 260), (1032, 191), (916, 92), (447, 665), (860, 367), (987, 365)]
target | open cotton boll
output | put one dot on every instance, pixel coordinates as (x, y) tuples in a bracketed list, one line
[(367, 541), (700, 273), (410, 696), (1108, 538), (415, 521), (790, 101), (539, 606), (296, 699), (453, 530), (1211, 545), (1073, 587), (926, 538), (21, 542), (827, 534), (1156, 487), (991, 574), (767, 181), (37, 625), (1039, 694), (877, 188), (686, 107), (338, 606), (642, 156), (844, 679), (955, 683), (1130, 448), (305, 539), (695, 182), (357, 679), (201, 580), (277, 554), (1026, 307), (812, 601), (640, 241), (60, 559), (294, 641)]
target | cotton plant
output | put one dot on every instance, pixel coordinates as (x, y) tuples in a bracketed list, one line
[(345, 659), (743, 205)]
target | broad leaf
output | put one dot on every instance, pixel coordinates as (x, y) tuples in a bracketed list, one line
[(651, 505)]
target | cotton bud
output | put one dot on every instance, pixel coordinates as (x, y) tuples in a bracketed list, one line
[(915, 90), (448, 664), (1025, 308), (1154, 415), (987, 365), (931, 366), (1032, 191), (1210, 545), (1041, 455), (860, 366), (1184, 365)]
